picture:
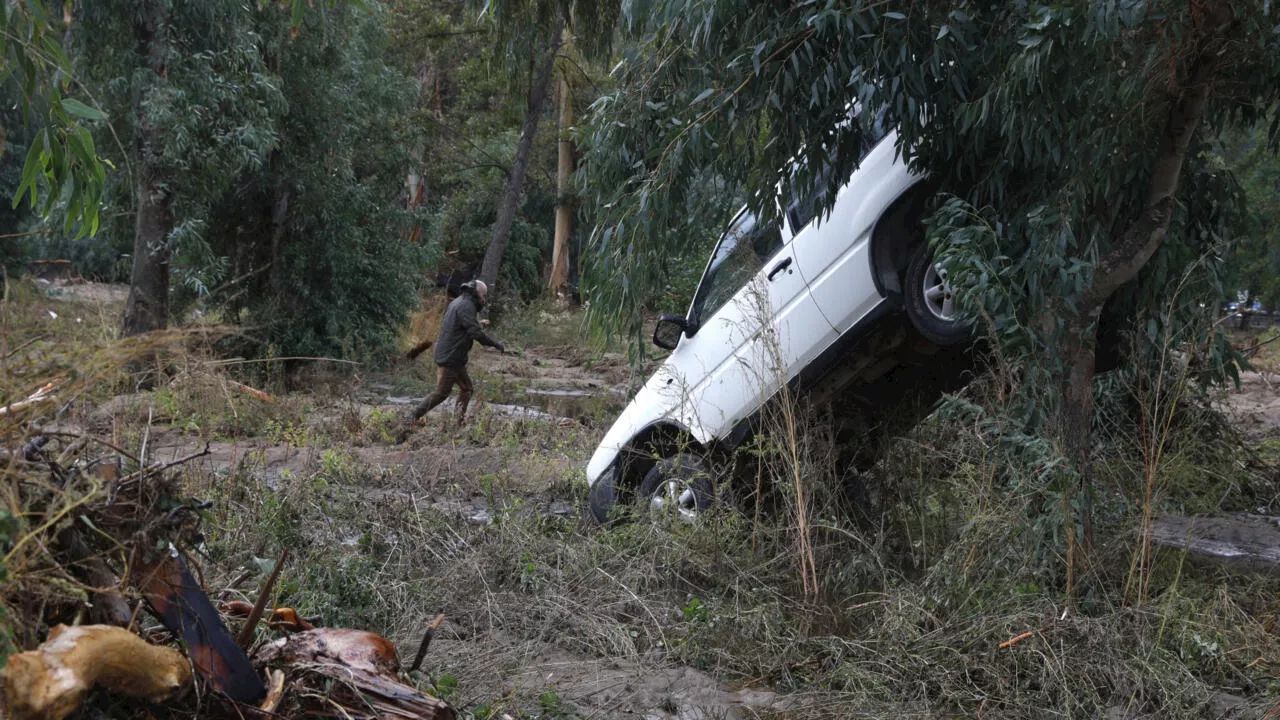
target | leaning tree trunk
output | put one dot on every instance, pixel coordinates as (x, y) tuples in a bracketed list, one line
[(515, 180), (1130, 253), (564, 200), (147, 308)]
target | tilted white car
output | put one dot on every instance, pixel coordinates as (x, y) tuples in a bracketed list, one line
[(778, 303)]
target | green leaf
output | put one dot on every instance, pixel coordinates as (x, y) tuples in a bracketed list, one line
[(80, 110)]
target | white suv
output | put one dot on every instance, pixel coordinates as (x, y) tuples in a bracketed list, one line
[(779, 303)]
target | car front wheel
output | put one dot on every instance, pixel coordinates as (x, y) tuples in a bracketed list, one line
[(931, 301), (678, 486)]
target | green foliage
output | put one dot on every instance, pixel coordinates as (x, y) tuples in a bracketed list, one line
[(8, 527), (62, 162), (1042, 119), (1254, 268)]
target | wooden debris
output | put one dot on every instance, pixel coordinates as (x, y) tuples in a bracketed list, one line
[(426, 642), (275, 692), (362, 662), (418, 349), (185, 610), (251, 624), (41, 395), (281, 618), (50, 682), (263, 396)]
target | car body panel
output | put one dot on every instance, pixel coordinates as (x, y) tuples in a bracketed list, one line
[(834, 252), (772, 329)]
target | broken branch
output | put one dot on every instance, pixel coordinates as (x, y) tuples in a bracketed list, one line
[(246, 634)]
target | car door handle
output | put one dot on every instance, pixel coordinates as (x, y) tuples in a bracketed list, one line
[(779, 268)]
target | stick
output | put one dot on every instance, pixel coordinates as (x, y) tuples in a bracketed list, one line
[(1017, 639), (40, 395), (246, 634), (264, 397), (426, 642), (160, 467), (418, 349), (78, 436)]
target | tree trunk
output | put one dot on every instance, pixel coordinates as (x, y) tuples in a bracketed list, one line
[(147, 308), (515, 180), (564, 199), (1129, 254)]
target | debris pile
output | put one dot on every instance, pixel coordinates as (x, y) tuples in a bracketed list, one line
[(103, 600)]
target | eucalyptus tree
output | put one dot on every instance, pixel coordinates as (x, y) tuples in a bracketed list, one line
[(187, 90), (1064, 141), (61, 164), (314, 238), (532, 32)]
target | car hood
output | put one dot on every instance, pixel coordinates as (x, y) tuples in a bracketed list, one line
[(662, 399)]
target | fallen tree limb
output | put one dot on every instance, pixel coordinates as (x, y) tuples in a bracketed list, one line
[(50, 682), (263, 396), (362, 662)]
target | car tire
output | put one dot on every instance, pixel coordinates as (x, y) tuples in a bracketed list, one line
[(930, 301), (602, 500), (680, 485)]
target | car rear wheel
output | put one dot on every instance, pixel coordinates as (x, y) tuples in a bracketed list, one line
[(678, 486), (931, 301)]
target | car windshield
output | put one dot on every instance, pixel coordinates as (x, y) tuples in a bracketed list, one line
[(741, 253)]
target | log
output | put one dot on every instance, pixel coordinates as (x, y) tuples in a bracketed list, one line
[(50, 682), (363, 662)]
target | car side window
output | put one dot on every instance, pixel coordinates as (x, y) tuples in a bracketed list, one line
[(743, 250), (803, 208)]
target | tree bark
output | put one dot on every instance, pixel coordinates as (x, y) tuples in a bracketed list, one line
[(1121, 264), (147, 308), (515, 180), (564, 199)]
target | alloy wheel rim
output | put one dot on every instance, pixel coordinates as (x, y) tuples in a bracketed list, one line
[(674, 495), (938, 294)]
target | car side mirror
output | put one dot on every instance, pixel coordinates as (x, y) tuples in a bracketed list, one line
[(669, 330)]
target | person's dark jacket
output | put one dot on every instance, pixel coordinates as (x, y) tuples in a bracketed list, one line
[(459, 329)]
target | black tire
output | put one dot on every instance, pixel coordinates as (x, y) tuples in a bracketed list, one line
[(602, 499), (683, 478), (931, 302)]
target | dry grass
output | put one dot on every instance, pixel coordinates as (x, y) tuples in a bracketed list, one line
[(898, 608)]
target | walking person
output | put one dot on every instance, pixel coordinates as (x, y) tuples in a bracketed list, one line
[(458, 331)]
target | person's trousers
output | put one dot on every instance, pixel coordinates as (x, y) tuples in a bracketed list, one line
[(446, 378)]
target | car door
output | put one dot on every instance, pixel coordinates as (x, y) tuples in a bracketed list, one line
[(834, 252), (754, 321)]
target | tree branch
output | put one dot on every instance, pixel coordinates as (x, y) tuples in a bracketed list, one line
[(1141, 240)]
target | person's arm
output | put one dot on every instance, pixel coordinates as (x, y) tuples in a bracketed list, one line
[(467, 318)]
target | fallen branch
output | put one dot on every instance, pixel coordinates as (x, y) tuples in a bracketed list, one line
[(41, 395), (263, 396), (100, 441), (50, 682), (357, 661), (426, 642), (275, 692), (159, 467), (418, 349)]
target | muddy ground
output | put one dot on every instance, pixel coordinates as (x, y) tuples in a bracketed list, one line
[(537, 415)]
